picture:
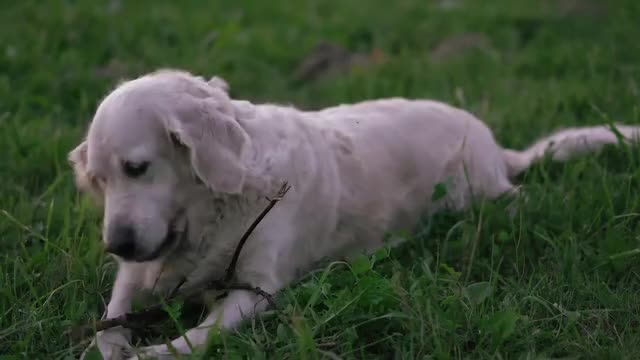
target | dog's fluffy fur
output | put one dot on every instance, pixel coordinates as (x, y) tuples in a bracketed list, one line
[(356, 172)]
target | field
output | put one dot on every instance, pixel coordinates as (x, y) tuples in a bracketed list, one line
[(561, 279)]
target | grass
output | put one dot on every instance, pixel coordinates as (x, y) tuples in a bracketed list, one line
[(559, 280)]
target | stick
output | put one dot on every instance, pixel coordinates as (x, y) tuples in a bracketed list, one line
[(231, 269), (157, 313)]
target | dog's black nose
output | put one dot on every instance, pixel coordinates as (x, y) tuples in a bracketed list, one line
[(122, 242)]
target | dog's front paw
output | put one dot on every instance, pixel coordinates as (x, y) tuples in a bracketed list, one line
[(114, 344)]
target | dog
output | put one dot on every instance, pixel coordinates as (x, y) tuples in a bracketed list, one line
[(182, 169)]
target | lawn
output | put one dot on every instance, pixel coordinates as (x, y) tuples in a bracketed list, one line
[(559, 280)]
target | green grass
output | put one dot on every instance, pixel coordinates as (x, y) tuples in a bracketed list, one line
[(560, 280)]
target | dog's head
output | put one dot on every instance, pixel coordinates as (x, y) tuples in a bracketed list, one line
[(150, 142)]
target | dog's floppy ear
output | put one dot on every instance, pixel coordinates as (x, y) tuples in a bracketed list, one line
[(217, 143), (78, 161)]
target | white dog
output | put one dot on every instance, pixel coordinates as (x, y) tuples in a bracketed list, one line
[(182, 170)]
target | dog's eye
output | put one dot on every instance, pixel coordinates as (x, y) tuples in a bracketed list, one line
[(133, 169)]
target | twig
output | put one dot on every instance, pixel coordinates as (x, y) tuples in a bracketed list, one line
[(231, 269), (176, 289), (158, 313), (135, 320)]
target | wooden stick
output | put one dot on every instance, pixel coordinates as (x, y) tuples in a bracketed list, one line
[(231, 269)]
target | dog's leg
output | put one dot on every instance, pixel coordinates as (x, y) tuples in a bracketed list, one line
[(238, 305), (114, 343)]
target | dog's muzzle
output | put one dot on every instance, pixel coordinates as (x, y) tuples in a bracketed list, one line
[(124, 242)]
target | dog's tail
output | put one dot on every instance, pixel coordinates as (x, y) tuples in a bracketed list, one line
[(568, 143)]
